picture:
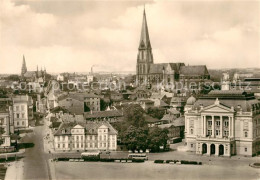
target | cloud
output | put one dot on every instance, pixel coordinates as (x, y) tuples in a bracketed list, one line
[(72, 36)]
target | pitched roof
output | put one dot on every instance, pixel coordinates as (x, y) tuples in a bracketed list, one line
[(236, 98), (158, 68), (179, 121), (90, 128), (194, 70), (82, 96), (102, 114)]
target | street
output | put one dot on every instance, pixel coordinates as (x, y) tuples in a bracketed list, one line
[(35, 160)]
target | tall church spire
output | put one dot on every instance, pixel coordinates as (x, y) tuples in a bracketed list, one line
[(145, 55), (24, 68), (144, 40)]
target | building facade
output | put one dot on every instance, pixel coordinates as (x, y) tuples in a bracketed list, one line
[(6, 123), (224, 123), (85, 136), (167, 73), (22, 110)]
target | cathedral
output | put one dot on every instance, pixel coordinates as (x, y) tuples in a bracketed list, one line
[(32, 76), (150, 73)]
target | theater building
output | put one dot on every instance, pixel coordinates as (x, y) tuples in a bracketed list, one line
[(224, 123)]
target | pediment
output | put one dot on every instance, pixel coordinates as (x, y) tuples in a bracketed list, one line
[(78, 127), (217, 108), (103, 127)]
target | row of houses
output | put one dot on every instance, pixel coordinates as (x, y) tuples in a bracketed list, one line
[(15, 113)]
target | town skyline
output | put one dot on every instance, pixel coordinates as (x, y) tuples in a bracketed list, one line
[(231, 40)]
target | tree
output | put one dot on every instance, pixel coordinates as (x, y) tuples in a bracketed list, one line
[(13, 78), (103, 104), (156, 112), (157, 137), (134, 115), (136, 138)]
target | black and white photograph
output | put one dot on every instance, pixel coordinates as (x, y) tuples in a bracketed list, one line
[(129, 90)]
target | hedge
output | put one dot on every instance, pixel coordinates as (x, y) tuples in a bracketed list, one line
[(158, 161), (138, 160)]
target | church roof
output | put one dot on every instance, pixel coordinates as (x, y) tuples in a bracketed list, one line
[(158, 68), (194, 70)]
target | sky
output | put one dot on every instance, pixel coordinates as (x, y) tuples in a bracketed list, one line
[(73, 35)]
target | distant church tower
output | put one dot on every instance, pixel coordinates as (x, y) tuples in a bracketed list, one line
[(145, 55), (24, 68)]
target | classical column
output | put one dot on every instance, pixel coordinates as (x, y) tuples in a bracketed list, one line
[(233, 126), (221, 127), (229, 126), (204, 126), (216, 149), (208, 149), (213, 126)]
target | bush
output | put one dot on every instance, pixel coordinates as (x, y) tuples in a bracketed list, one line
[(107, 160), (138, 160), (63, 159), (159, 161), (189, 162), (168, 161)]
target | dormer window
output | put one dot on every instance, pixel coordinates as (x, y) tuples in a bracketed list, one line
[(63, 131)]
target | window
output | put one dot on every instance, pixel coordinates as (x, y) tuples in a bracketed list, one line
[(17, 115), (245, 133), (217, 132), (22, 115), (81, 137), (113, 144), (18, 123), (226, 133), (218, 123), (209, 123), (246, 125), (191, 131), (22, 107), (100, 138), (63, 138), (77, 137), (77, 145), (63, 145), (17, 108), (81, 145), (58, 145), (90, 137), (104, 144), (226, 123), (22, 122), (191, 145), (209, 132), (245, 149)]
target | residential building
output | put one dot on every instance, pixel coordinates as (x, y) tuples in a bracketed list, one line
[(6, 124), (23, 111), (74, 136), (109, 116), (224, 122)]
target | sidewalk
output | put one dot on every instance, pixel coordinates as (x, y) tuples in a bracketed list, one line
[(15, 171)]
